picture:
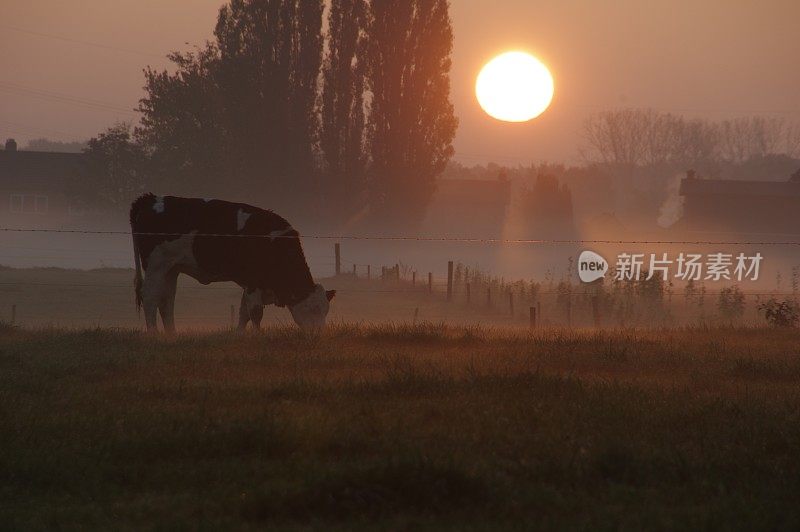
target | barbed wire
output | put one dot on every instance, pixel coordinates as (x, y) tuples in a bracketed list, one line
[(412, 238)]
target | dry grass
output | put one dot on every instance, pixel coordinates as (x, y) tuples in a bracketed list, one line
[(401, 426)]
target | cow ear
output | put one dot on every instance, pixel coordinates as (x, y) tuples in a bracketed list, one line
[(329, 294)]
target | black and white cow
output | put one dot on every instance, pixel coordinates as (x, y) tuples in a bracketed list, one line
[(213, 240)]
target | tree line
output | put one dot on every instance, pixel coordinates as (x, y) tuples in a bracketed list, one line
[(631, 138), (341, 111)]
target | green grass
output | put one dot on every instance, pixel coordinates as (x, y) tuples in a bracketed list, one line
[(397, 427)]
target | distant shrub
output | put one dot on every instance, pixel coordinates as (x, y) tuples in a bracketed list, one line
[(780, 313), (731, 303)]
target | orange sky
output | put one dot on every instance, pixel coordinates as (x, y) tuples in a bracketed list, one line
[(719, 59)]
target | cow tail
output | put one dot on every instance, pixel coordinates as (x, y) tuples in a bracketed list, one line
[(137, 279)]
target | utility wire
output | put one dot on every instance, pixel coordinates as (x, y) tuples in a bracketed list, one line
[(98, 105), (79, 41)]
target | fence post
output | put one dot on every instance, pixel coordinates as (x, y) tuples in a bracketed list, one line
[(13, 314), (430, 282), (450, 280), (355, 275), (469, 296), (489, 297), (233, 316), (337, 252), (532, 317), (397, 272), (413, 279), (511, 303)]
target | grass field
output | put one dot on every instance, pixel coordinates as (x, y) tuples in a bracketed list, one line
[(399, 427)]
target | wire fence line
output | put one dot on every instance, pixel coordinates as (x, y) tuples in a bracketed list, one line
[(413, 238)]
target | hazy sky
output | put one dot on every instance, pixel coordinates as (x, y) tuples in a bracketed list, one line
[(715, 58)]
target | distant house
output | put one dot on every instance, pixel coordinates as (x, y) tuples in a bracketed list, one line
[(740, 206), (34, 187), (468, 207)]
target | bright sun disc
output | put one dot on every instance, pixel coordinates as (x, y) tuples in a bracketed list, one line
[(514, 87)]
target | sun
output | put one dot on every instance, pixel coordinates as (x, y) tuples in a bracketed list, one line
[(514, 87)]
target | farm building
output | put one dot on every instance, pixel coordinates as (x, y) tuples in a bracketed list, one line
[(740, 206), (34, 187)]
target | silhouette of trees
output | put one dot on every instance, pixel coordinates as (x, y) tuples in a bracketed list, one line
[(644, 137), (242, 110), (342, 109), (261, 112), (411, 123), (114, 172)]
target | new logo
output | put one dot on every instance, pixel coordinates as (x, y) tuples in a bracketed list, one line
[(591, 266)]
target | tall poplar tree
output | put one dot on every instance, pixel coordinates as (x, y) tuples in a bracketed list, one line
[(411, 124), (342, 109)]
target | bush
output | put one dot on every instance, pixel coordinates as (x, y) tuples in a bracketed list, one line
[(780, 313), (731, 303)]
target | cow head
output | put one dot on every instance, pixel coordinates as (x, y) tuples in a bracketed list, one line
[(310, 313)]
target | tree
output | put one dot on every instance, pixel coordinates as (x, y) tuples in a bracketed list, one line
[(114, 172), (411, 123), (181, 127), (44, 144), (241, 112), (342, 109)]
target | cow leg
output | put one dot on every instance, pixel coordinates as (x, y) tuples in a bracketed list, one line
[(152, 294), (256, 313), (244, 314), (167, 304)]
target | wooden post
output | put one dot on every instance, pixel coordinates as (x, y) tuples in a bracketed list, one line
[(355, 275), (13, 314), (489, 297), (233, 316), (413, 279), (511, 303), (532, 317), (450, 280), (369, 272), (337, 252), (430, 283), (469, 296), (397, 272)]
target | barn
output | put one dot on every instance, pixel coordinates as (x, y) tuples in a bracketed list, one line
[(740, 206)]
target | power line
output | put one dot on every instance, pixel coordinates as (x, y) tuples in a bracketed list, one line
[(14, 88), (82, 42)]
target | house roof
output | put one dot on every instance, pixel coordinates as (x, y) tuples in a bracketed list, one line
[(23, 169), (721, 187)]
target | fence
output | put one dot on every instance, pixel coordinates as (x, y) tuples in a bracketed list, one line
[(463, 294)]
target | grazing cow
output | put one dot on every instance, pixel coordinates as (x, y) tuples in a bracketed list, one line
[(213, 240)]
